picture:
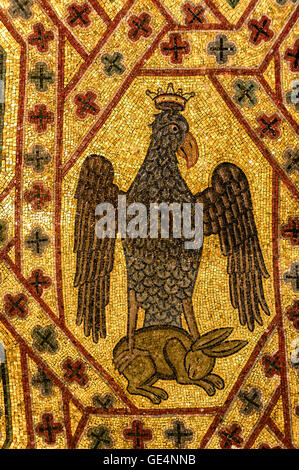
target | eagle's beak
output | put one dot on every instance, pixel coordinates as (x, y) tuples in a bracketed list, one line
[(189, 150)]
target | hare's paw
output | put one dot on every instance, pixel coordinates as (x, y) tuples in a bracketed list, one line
[(207, 386), (215, 380)]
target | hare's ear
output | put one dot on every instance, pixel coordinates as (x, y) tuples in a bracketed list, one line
[(211, 338), (227, 348)]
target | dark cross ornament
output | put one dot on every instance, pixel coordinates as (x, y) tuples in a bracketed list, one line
[(194, 14), (40, 117), (292, 56), (99, 437), (291, 161), (41, 77), (292, 276), (45, 339), (231, 436), (48, 429), (40, 38), (79, 15), (106, 402), (179, 434), (251, 401), (43, 383), (176, 48), (292, 314), (260, 30), (21, 8), (113, 64), (245, 92), (75, 372), (221, 49), (16, 305), (137, 434), (291, 230), (139, 26), (37, 241), (38, 159), (269, 126), (271, 365)]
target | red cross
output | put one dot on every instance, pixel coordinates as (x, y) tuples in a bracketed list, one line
[(137, 434), (176, 48), (291, 231), (79, 15), (75, 372), (48, 428), (139, 26), (271, 365), (292, 55), (292, 313), (40, 38), (194, 15), (264, 445), (39, 281), (86, 104), (40, 117), (260, 30), (16, 305), (269, 126), (231, 436), (38, 196)]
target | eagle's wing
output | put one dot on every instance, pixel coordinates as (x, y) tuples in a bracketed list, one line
[(227, 210), (95, 255)]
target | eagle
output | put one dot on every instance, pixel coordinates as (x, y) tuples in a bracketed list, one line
[(161, 272)]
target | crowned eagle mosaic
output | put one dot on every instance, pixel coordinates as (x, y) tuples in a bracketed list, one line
[(161, 272)]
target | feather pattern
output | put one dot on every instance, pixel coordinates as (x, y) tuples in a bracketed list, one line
[(228, 212), (95, 255)]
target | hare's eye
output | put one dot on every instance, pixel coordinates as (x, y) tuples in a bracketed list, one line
[(198, 360), (174, 128)]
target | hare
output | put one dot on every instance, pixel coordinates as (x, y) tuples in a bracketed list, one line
[(169, 353)]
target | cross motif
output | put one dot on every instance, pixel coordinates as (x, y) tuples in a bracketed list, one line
[(113, 64), (233, 3), (41, 77), (176, 48), (79, 15), (38, 159), (86, 104), (16, 305), (271, 365), (39, 281), (137, 434), (106, 402), (269, 126), (45, 339), (75, 372), (38, 196), (42, 382), (231, 436), (37, 241), (194, 14), (291, 161), (99, 437), (264, 446), (139, 26), (251, 401), (292, 314), (48, 429), (291, 230), (292, 56), (40, 38), (221, 49), (3, 231), (292, 276), (260, 30), (245, 92), (179, 434), (40, 117), (292, 96), (21, 8)]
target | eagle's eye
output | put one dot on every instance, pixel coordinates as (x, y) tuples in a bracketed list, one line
[(174, 128)]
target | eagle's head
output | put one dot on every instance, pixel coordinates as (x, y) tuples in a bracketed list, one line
[(171, 131)]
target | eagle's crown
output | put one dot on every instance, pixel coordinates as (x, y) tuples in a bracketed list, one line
[(170, 99)]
